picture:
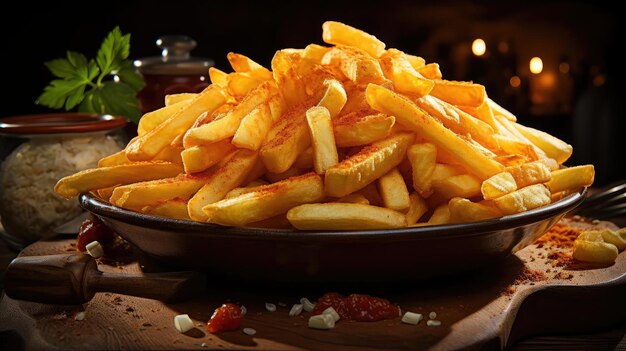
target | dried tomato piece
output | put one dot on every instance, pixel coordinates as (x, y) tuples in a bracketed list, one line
[(225, 318)]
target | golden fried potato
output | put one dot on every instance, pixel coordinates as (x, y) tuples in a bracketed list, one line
[(571, 178), (337, 33), (344, 216), (393, 190), (322, 137), (524, 199)]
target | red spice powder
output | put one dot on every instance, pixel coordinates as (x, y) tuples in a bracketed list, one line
[(560, 235), (526, 276)]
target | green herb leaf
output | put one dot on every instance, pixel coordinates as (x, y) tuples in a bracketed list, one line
[(114, 49), (69, 91), (77, 87), (112, 98), (129, 75)]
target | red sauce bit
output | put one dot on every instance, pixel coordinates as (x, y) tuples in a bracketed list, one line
[(357, 307), (93, 230), (225, 318)]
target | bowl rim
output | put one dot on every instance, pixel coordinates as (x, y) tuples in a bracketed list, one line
[(60, 123), (104, 209)]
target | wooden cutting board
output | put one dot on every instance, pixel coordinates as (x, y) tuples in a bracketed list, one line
[(534, 291)]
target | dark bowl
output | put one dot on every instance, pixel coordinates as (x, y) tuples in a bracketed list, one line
[(337, 256)]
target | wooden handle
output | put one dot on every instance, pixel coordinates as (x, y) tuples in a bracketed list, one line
[(70, 279), (55, 279)]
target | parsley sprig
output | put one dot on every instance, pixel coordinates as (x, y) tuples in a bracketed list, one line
[(107, 84)]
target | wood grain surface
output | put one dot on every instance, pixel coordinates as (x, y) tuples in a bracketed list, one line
[(488, 309)]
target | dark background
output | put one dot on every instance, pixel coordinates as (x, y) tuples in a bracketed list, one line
[(583, 105)]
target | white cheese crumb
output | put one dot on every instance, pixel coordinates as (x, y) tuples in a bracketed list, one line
[(244, 310), (94, 249), (307, 305), (79, 316), (322, 321), (432, 315), (249, 331), (270, 307), (331, 311), (295, 310), (183, 323), (412, 318), (433, 323)]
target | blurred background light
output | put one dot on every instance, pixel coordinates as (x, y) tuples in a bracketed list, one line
[(479, 47), (536, 65)]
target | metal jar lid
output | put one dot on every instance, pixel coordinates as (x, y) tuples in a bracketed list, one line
[(175, 58)]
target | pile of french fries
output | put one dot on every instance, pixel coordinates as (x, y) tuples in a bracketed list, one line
[(341, 137)]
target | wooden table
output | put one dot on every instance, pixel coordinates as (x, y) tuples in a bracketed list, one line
[(473, 308)]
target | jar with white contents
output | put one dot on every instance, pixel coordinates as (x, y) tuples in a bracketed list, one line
[(37, 151)]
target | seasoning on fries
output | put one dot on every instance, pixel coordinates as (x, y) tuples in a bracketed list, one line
[(348, 136)]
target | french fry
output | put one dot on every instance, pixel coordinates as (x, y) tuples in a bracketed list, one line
[(524, 199), (552, 146), (277, 177), (344, 216), (266, 202), (530, 173), (170, 153), (415, 61), (596, 251), (199, 158), (103, 177), (571, 178), (498, 185), (227, 126), (172, 99), (422, 158), (459, 93), (405, 78), (153, 119), (314, 52), (441, 215), (430, 71), (417, 208), (136, 196), (105, 193), (371, 194), (334, 98), (240, 84), (354, 198), (118, 158), (337, 33), (482, 112), (149, 144), (305, 158), (413, 117), (285, 74), (287, 139), (464, 211), (371, 163), (458, 121), (511, 146), (354, 129), (322, 138), (499, 110), (176, 208), (443, 171), (354, 64), (253, 128), (242, 63), (464, 185), (218, 77), (246, 189), (393, 190), (277, 107), (220, 182)]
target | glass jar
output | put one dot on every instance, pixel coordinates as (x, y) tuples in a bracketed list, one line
[(37, 151), (175, 71)]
